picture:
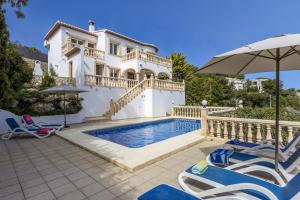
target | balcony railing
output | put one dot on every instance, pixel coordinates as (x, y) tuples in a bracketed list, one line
[(91, 52), (195, 111), (244, 129), (103, 81), (250, 129), (147, 57)]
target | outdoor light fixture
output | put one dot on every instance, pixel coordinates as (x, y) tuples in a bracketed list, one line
[(204, 103)]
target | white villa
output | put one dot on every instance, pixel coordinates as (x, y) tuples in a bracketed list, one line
[(125, 78), (239, 84)]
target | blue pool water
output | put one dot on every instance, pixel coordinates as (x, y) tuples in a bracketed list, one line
[(142, 134)]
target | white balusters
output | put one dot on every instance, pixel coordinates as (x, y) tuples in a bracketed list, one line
[(225, 130), (218, 129), (233, 134), (258, 133), (269, 135), (280, 134), (249, 134), (241, 132), (290, 133), (211, 126)]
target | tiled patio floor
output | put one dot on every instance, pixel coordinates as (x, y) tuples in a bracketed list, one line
[(53, 168)]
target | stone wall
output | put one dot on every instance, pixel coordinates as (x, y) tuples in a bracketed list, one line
[(37, 80)]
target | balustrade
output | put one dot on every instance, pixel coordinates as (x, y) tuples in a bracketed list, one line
[(251, 130), (147, 57), (103, 81), (91, 52)]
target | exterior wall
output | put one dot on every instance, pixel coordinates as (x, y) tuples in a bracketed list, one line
[(55, 58), (97, 101), (151, 103), (155, 68), (51, 119)]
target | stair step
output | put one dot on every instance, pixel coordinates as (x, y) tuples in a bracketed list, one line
[(96, 118)]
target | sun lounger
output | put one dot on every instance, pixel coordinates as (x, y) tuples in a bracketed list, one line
[(286, 168), (166, 192), (264, 148), (228, 181), (30, 123), (15, 129)]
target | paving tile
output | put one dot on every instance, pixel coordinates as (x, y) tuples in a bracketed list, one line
[(76, 175), (58, 182), (32, 191), (135, 181), (104, 195), (9, 190), (8, 182), (75, 195), (14, 196), (120, 188), (64, 189), (53, 176), (92, 189), (84, 181), (43, 196), (109, 181), (32, 182), (132, 194)]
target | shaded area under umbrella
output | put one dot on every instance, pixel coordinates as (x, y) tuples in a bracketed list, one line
[(281, 52), (63, 89)]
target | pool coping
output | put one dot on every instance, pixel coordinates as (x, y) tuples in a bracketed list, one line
[(127, 158)]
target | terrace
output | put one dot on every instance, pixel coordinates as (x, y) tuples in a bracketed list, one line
[(54, 168)]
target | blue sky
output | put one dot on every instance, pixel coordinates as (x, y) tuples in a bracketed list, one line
[(199, 29)]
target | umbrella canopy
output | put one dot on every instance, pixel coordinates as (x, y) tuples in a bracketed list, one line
[(257, 57), (63, 89), (281, 52)]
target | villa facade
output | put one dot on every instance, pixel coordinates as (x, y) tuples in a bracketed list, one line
[(124, 77)]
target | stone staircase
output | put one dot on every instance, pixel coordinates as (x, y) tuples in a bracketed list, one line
[(128, 97)]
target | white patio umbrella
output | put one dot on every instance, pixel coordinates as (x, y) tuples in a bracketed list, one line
[(63, 89), (279, 53)]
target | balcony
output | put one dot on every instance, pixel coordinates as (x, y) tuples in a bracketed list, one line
[(147, 57), (68, 48), (102, 81)]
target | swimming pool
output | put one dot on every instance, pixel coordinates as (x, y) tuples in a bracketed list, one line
[(142, 134)]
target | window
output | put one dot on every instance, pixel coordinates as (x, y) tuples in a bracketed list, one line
[(114, 72), (131, 75), (129, 49), (91, 45), (99, 70), (114, 48), (77, 42)]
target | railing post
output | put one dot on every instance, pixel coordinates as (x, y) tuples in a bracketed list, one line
[(218, 129), (232, 133), (249, 134), (225, 130), (241, 132), (211, 130), (152, 81), (258, 134), (290, 133), (279, 134), (172, 111), (269, 135), (204, 124)]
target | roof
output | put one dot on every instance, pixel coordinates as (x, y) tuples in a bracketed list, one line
[(31, 53), (128, 38), (59, 24)]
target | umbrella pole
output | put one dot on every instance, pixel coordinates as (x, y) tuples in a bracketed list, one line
[(277, 108), (65, 110)]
